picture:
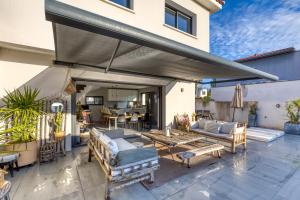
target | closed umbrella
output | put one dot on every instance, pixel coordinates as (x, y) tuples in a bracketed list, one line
[(237, 100)]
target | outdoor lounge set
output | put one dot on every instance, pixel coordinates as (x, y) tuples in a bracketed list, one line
[(126, 163)]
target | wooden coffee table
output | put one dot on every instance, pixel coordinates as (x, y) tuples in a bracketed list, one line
[(175, 139)]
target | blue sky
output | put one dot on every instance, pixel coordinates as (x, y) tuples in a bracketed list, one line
[(246, 27)]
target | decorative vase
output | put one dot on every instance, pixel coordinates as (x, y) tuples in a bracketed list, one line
[(168, 132), (290, 128), (252, 120)]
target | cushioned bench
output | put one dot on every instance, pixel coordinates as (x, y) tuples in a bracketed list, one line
[(123, 163)]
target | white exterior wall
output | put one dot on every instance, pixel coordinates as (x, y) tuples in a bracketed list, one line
[(23, 22), (268, 95), (150, 16), (27, 47), (177, 101)]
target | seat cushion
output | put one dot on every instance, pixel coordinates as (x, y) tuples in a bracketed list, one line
[(8, 157), (212, 127), (136, 155), (115, 133), (123, 145), (215, 135)]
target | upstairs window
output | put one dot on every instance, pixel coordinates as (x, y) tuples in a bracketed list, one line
[(178, 19), (125, 3)]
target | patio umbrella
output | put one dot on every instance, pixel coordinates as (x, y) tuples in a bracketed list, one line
[(237, 100)]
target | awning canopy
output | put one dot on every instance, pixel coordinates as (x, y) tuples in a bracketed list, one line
[(84, 38)]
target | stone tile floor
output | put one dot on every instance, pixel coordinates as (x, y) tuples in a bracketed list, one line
[(264, 171)]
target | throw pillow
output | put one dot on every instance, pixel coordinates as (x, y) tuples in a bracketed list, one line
[(202, 122), (212, 127), (183, 122), (228, 127), (97, 132), (111, 145)]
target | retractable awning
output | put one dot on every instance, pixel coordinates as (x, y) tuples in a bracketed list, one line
[(85, 38)]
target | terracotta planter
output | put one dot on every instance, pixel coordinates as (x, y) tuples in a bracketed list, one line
[(28, 152)]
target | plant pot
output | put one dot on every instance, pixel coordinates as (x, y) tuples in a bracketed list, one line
[(290, 128), (252, 120), (28, 152)]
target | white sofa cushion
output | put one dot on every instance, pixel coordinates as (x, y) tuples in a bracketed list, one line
[(212, 127), (123, 144), (228, 127)]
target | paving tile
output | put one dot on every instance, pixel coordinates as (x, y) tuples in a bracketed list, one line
[(263, 172)]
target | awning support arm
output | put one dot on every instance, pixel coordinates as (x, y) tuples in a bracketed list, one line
[(113, 56)]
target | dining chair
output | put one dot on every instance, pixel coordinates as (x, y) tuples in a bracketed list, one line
[(134, 122), (121, 120)]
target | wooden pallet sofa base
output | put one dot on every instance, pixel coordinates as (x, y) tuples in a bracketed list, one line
[(129, 167)]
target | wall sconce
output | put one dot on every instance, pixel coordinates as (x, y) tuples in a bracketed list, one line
[(278, 105), (182, 89)]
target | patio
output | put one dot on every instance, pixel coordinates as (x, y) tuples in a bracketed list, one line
[(264, 171)]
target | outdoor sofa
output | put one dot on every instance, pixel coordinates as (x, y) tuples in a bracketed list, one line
[(122, 162), (229, 134)]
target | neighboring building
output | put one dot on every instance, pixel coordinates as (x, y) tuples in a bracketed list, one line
[(284, 63), (157, 46), (271, 96)]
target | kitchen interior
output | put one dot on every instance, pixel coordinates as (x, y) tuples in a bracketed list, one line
[(114, 105)]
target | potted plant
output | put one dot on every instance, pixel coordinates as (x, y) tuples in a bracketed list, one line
[(58, 125), (206, 99), (20, 117), (252, 116), (293, 113)]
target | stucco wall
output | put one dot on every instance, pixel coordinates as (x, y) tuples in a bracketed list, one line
[(23, 22), (149, 16), (268, 95), (179, 99)]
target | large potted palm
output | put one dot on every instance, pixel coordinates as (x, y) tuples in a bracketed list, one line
[(19, 119), (293, 113)]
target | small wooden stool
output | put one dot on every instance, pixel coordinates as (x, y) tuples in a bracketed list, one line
[(10, 159)]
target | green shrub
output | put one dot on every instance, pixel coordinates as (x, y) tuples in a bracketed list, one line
[(293, 111)]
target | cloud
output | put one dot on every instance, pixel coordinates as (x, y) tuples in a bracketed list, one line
[(254, 27)]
